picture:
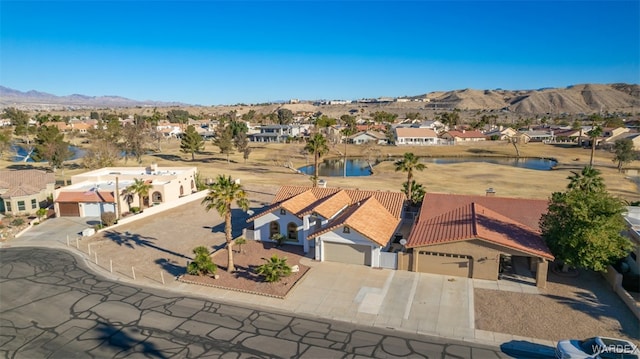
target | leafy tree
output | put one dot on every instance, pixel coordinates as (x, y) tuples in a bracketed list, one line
[(285, 116), (239, 242), (249, 116), (223, 192), (383, 117), (238, 128), (577, 125), (274, 269), (51, 147), (325, 122), (19, 119), (178, 116), (102, 154), (192, 142), (412, 115), (593, 135), (623, 152), (201, 264), (417, 192), (241, 141), (350, 123), (94, 115), (140, 188), (245, 154), (224, 139), (409, 163), (135, 138), (5, 141), (316, 145), (583, 224), (450, 118)]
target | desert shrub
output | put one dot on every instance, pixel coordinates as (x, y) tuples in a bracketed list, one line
[(239, 242), (108, 218), (201, 264), (135, 210), (274, 269), (17, 222), (279, 238)]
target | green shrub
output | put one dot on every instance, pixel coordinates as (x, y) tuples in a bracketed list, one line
[(108, 218), (135, 210), (274, 269), (17, 222), (201, 264), (279, 238), (239, 242)]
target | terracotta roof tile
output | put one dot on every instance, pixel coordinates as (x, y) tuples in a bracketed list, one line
[(330, 205), (369, 218), (86, 197)]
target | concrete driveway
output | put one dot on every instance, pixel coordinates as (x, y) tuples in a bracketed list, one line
[(57, 229)]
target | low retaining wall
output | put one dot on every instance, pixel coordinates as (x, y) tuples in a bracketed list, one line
[(615, 280)]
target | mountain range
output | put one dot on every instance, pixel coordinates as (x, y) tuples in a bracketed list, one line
[(584, 98)]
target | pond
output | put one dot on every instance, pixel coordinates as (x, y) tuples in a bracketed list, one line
[(360, 167), (19, 153)]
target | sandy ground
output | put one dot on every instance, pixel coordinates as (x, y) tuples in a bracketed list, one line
[(570, 307)]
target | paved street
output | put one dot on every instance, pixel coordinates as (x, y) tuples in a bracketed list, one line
[(51, 305)]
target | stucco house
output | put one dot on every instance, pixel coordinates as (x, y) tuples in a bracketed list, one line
[(277, 133), (104, 190), (464, 136), (410, 136), (469, 236), (339, 225), (368, 136), (500, 133), (23, 192)]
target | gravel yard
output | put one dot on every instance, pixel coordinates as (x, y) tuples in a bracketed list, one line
[(570, 307)]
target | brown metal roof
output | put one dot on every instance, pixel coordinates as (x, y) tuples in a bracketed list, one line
[(508, 222)]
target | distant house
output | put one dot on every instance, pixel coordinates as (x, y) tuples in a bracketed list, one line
[(611, 135), (469, 236), (546, 135), (500, 133), (368, 136), (25, 191), (277, 133), (432, 124), (409, 136), (342, 225), (463, 136)]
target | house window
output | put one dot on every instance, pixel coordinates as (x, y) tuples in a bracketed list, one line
[(156, 197), (21, 206), (181, 191), (292, 232), (8, 205), (346, 229), (283, 211), (274, 228), (34, 203)]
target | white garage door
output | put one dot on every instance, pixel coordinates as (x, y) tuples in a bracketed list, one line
[(92, 209), (347, 253), (108, 207)]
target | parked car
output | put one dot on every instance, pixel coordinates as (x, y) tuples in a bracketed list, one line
[(597, 348)]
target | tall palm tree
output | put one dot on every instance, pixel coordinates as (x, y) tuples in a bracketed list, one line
[(409, 163), (588, 180), (593, 135), (141, 188), (223, 192), (317, 145)]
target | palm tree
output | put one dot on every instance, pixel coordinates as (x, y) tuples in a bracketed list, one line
[(593, 135), (222, 193), (141, 188), (589, 180), (274, 269), (317, 145), (409, 163)]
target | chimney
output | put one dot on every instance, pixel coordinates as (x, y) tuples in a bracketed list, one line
[(490, 192)]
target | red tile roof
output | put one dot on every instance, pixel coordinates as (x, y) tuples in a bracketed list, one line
[(369, 218), (508, 222), (86, 197)]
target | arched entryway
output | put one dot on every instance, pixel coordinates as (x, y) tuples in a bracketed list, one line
[(156, 197)]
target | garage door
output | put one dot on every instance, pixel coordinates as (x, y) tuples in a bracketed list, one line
[(446, 264), (92, 209), (347, 253), (69, 209)]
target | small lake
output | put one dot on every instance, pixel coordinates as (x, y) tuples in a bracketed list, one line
[(360, 167), (19, 153)]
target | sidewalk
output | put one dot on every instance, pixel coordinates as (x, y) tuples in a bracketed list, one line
[(419, 303)]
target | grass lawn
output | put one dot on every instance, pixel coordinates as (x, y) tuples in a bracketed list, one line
[(266, 165)]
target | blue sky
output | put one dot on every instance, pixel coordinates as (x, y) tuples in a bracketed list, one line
[(216, 52)]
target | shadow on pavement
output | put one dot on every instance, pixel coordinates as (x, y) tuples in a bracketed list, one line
[(522, 349)]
